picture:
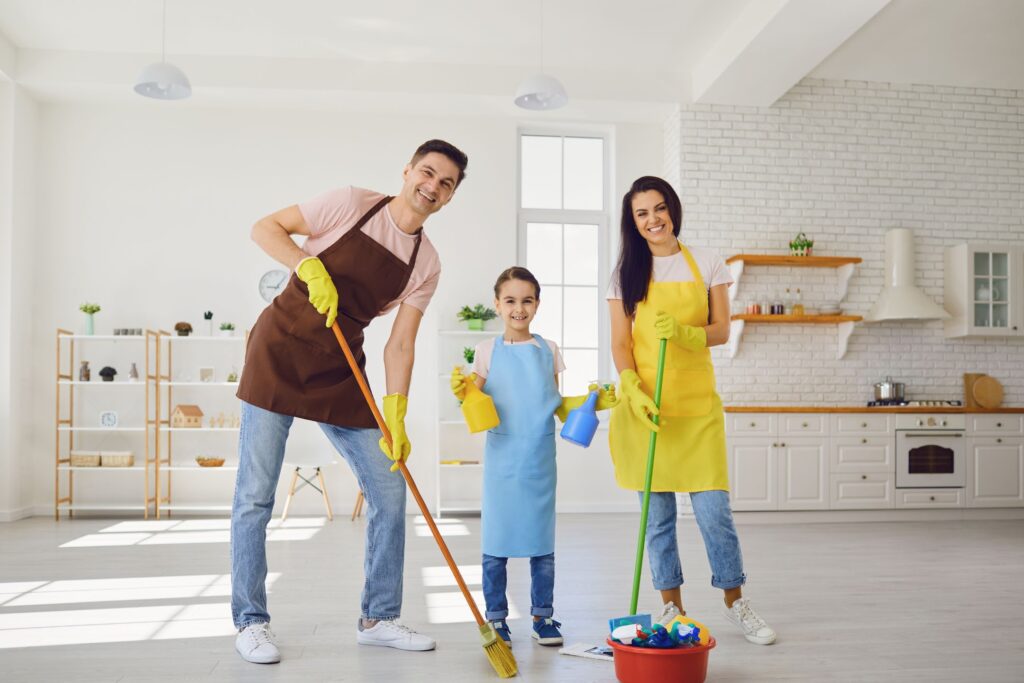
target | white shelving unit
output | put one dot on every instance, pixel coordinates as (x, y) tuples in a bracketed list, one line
[(458, 487), (168, 397), (70, 431)]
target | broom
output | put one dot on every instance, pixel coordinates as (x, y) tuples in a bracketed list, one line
[(496, 649)]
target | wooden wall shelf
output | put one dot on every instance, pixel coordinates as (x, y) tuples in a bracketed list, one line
[(795, 261), (801, 319)]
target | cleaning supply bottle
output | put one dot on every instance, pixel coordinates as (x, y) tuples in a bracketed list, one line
[(478, 408), (581, 423)]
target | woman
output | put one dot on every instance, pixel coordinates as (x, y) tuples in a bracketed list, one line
[(663, 290)]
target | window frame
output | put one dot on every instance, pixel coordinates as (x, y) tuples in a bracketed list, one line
[(600, 218)]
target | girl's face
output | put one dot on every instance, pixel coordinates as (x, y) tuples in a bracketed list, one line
[(650, 213), (517, 304)]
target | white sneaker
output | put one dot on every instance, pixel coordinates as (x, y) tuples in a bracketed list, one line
[(668, 613), (747, 620), (393, 634), (255, 643)]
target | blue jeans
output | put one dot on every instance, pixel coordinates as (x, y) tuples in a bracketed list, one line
[(261, 452), (714, 518), (542, 586)]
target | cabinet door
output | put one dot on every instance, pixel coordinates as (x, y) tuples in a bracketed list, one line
[(862, 454), (803, 474), (992, 291), (753, 474), (995, 472)]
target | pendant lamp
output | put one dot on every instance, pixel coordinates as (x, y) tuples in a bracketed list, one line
[(540, 91), (162, 80)]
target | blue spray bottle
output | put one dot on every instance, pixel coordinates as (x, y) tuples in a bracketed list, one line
[(581, 423)]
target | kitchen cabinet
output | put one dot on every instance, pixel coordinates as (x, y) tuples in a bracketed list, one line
[(753, 474), (864, 491), (984, 290), (803, 473), (995, 471)]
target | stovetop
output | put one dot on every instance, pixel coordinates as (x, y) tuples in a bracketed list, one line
[(915, 404)]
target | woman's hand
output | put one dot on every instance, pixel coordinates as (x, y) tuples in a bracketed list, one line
[(640, 403), (688, 337)]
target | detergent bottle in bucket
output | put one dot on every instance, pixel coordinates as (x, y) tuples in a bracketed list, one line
[(581, 423), (478, 408)]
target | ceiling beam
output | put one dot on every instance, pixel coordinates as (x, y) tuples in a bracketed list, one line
[(772, 45)]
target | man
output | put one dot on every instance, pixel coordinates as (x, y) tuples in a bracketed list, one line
[(365, 254)]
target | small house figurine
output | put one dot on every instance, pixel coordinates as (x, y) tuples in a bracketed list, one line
[(186, 415)]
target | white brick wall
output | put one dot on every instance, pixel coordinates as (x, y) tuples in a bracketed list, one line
[(845, 161)]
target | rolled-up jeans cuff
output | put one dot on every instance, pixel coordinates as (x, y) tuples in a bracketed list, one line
[(726, 585), (542, 611), (668, 585), (496, 616)]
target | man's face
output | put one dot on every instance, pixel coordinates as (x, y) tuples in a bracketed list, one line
[(429, 183)]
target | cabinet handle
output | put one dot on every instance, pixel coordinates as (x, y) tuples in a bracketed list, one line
[(863, 476), (783, 444), (999, 440), (943, 423), (804, 424), (863, 440), (999, 424), (864, 425), (775, 445), (931, 497), (753, 424)]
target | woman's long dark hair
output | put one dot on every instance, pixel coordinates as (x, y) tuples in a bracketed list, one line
[(634, 266)]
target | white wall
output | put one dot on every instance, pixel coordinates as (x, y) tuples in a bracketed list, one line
[(146, 209), (845, 161), (17, 154)]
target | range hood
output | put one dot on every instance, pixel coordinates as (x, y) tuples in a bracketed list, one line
[(900, 298)]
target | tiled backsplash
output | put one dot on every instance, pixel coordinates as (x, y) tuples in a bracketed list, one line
[(845, 161)]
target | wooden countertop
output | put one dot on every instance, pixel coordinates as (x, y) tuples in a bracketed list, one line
[(866, 409)]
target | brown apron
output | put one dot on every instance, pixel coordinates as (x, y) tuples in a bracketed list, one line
[(293, 364)]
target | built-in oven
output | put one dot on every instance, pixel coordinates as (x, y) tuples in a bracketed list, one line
[(930, 451)]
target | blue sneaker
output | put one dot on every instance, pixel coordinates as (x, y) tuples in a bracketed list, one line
[(546, 632), (502, 630)]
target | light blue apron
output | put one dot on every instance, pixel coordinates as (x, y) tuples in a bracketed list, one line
[(518, 516)]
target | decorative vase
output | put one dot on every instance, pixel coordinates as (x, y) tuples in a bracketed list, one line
[(89, 323), (475, 324), (227, 333)]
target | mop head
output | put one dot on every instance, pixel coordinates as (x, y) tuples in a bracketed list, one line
[(498, 652)]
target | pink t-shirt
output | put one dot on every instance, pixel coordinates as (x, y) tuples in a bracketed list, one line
[(332, 214), (485, 350)]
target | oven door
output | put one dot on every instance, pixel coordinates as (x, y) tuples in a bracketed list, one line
[(930, 459)]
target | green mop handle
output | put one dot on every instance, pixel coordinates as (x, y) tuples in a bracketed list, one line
[(647, 482)]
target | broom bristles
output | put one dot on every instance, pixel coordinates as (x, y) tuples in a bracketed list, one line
[(498, 652)]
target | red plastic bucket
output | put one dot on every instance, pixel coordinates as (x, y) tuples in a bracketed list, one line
[(652, 665)]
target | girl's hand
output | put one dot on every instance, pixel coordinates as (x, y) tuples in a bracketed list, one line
[(606, 398), (458, 383)]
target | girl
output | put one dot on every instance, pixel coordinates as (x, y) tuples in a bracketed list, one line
[(663, 290), (519, 370)]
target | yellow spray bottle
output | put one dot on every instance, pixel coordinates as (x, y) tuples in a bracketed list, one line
[(478, 408)]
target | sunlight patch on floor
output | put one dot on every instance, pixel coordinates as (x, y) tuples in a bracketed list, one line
[(442, 576), (451, 608), (153, 532)]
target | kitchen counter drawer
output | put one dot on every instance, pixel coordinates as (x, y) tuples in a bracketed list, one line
[(867, 491), (750, 424), (803, 424), (929, 498), (860, 423), (997, 424), (863, 454)]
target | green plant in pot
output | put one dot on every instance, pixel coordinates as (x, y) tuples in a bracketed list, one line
[(469, 353), (801, 245), (90, 310), (227, 329), (476, 316)]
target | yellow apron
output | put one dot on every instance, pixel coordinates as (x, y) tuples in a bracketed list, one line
[(690, 454)]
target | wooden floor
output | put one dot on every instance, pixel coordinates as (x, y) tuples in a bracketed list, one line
[(131, 601)]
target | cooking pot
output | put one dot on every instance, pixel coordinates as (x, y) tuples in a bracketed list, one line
[(889, 390)]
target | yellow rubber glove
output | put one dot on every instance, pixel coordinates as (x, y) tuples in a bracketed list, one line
[(322, 293), (689, 337), (606, 399), (640, 403), (458, 382), (395, 406)]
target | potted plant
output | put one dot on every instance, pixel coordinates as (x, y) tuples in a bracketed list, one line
[(801, 245), (183, 329), (476, 316), (89, 310), (107, 373), (227, 329), (469, 353), (208, 317)]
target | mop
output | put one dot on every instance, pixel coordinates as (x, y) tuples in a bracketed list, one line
[(496, 649)]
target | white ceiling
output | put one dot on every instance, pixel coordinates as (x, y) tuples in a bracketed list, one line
[(630, 59)]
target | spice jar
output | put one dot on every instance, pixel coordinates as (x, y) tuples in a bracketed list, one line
[(776, 306), (798, 303)]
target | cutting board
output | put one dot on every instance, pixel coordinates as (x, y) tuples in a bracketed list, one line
[(988, 392), (969, 379)]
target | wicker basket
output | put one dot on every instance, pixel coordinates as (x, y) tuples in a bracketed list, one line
[(207, 461), (117, 459), (85, 458)]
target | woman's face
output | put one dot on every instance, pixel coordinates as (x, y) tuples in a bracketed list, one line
[(650, 213), (517, 304)]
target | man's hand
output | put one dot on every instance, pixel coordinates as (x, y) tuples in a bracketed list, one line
[(689, 337), (640, 403), (394, 417), (322, 293)]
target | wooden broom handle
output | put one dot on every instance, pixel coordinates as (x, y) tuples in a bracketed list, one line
[(357, 373)]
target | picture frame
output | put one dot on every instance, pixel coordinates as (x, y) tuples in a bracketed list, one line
[(108, 418), (205, 374)]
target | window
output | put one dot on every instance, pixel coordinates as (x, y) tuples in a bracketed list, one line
[(563, 240)]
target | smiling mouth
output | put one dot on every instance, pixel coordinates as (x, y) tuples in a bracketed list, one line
[(657, 230), (518, 317), (426, 196)]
